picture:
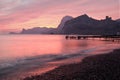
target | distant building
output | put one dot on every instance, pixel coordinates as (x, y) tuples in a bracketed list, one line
[(108, 18)]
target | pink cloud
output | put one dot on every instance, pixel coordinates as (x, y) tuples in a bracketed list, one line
[(19, 11)]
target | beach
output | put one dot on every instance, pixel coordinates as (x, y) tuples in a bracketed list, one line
[(97, 67), (36, 55)]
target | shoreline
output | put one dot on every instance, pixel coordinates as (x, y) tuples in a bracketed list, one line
[(96, 67)]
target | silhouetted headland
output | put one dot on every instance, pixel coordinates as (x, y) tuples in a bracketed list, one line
[(97, 67), (82, 25)]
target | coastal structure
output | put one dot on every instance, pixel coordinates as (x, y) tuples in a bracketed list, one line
[(101, 37)]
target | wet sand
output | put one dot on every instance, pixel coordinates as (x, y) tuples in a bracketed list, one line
[(98, 67)]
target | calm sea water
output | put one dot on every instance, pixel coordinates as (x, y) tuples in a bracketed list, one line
[(24, 55)]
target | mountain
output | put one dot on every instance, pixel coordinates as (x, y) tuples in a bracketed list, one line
[(86, 25), (83, 25), (63, 21), (44, 30), (118, 20), (38, 30)]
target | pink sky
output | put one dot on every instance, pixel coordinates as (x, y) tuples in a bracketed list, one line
[(18, 14)]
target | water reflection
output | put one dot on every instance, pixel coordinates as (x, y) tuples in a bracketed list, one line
[(30, 52), (21, 46)]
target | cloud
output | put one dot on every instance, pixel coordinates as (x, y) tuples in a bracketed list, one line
[(21, 11)]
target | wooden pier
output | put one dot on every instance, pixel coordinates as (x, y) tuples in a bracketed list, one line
[(100, 37)]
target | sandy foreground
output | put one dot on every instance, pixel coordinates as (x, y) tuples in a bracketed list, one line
[(97, 67)]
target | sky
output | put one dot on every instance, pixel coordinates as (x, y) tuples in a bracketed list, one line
[(18, 14)]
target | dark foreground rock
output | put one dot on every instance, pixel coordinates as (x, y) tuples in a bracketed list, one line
[(97, 67)]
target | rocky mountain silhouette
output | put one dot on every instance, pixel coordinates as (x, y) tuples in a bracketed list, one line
[(83, 25), (44, 30), (86, 25), (38, 30), (62, 23)]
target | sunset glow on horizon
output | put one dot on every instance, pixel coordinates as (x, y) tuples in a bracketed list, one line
[(18, 14)]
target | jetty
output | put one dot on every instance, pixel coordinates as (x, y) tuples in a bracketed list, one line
[(100, 37)]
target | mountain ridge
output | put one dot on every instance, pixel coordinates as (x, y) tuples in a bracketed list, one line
[(86, 25), (83, 25)]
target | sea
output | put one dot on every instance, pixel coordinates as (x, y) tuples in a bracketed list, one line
[(25, 55)]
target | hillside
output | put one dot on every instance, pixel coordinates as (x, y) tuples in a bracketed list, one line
[(83, 25)]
